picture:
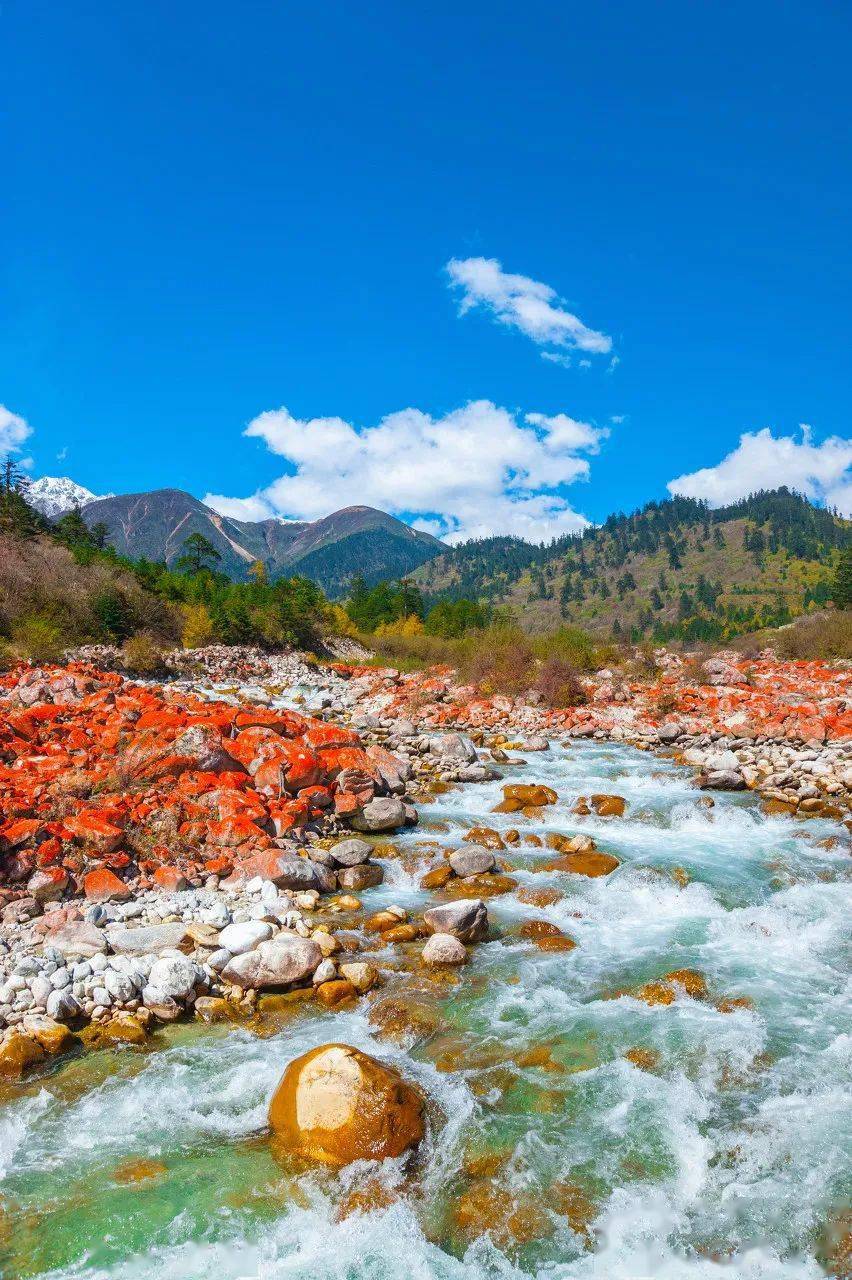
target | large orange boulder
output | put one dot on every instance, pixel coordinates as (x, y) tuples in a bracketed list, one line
[(336, 1104)]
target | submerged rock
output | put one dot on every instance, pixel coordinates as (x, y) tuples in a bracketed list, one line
[(336, 1104)]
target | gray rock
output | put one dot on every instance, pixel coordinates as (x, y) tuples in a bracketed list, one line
[(385, 813), (62, 1006), (453, 746), (325, 972), (277, 963), (174, 976), (150, 938), (466, 920), (218, 959), (351, 853), (472, 861), (165, 1007)]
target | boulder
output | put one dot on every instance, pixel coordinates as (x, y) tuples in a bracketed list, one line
[(203, 746), (385, 813), (239, 938), (351, 853), (104, 885), (288, 871), (335, 1105), (467, 920), (366, 876), (529, 794), (17, 1054), (174, 976), (472, 861), (606, 806), (444, 949), (150, 939), (452, 747), (79, 939), (279, 962)]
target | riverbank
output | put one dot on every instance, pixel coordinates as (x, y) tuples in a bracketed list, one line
[(148, 827)]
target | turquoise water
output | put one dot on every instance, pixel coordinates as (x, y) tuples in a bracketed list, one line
[(727, 1153)]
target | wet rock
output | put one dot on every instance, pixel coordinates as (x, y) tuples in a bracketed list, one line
[(528, 795), (54, 1037), (335, 1105), (487, 837), (365, 876), (606, 806), (336, 992), (592, 864), (472, 861), (490, 885), (18, 1054), (444, 949), (278, 963), (467, 921), (362, 975), (437, 877)]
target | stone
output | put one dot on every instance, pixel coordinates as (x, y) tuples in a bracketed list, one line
[(277, 963), (174, 976), (437, 877), (335, 992), (444, 949), (453, 746), (606, 806), (362, 975), (149, 939), (472, 861), (17, 1054), (54, 1037), (592, 863), (351, 853), (529, 794), (104, 885), (289, 872), (239, 938), (79, 939), (47, 884), (62, 1005), (467, 921), (366, 876), (385, 813), (335, 1105), (206, 750), (165, 1007)]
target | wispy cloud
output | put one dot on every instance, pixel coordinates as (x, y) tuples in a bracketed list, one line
[(14, 430), (763, 461), (520, 302), (476, 471)]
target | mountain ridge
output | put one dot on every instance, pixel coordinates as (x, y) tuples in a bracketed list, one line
[(156, 523)]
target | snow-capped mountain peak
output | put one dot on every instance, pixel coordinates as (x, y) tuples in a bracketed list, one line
[(54, 495)]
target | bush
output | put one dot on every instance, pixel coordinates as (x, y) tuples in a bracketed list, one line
[(142, 654), (197, 626), (827, 635), (559, 684), (38, 638), (409, 626)]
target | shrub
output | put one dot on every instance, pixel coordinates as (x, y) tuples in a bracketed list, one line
[(827, 635), (142, 654), (38, 638), (559, 684), (408, 626), (197, 626)]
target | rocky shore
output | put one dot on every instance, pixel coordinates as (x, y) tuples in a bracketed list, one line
[(187, 847)]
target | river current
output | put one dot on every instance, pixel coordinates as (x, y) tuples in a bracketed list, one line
[(722, 1148)]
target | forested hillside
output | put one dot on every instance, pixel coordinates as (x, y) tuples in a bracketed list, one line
[(674, 569)]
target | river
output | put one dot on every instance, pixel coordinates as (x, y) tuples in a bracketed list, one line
[(721, 1148)]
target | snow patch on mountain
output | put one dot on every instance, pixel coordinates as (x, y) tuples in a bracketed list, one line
[(54, 495)]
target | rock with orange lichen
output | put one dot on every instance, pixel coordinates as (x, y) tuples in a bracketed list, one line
[(592, 864), (336, 1104)]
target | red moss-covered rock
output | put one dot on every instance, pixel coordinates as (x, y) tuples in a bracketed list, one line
[(104, 885)]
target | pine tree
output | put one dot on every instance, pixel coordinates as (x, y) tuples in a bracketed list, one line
[(841, 587)]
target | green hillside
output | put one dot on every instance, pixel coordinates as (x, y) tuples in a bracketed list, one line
[(674, 569)]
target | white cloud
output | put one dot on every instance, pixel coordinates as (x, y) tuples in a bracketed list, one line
[(555, 358), (476, 471), (522, 303), (14, 430), (763, 461)]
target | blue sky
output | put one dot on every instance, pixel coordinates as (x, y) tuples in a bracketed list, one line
[(225, 214)]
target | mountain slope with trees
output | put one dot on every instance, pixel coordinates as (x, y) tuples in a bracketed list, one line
[(673, 570)]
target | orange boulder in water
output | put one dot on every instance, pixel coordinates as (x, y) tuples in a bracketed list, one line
[(336, 1104)]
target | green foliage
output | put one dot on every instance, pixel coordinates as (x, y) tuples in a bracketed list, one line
[(199, 553), (369, 607), (38, 638), (841, 587)]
